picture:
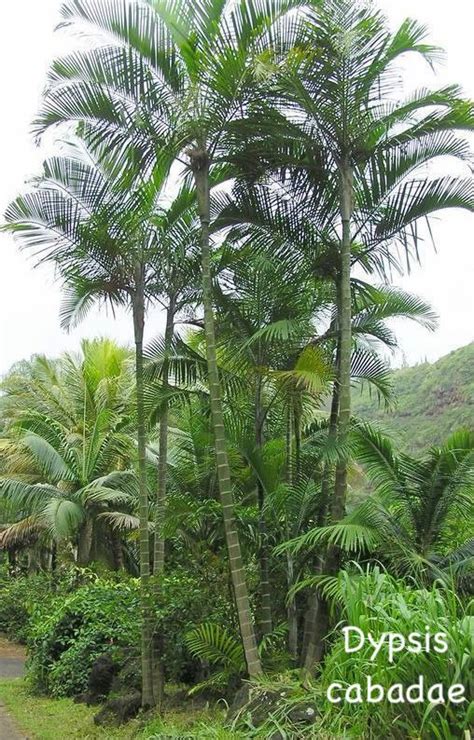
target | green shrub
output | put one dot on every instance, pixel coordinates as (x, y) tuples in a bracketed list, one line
[(104, 616), (100, 617), (186, 601), (18, 598)]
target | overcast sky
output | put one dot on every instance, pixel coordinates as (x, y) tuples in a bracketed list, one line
[(29, 299)]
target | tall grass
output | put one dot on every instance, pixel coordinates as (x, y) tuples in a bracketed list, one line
[(377, 603)]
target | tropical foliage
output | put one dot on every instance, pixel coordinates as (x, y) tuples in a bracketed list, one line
[(255, 169)]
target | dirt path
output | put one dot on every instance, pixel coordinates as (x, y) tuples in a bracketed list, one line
[(12, 665)]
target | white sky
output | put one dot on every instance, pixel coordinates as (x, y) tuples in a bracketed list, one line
[(29, 299)]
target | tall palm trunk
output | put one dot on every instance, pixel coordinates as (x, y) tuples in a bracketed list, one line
[(159, 543), (292, 615), (265, 595), (147, 631), (338, 502), (159, 548), (311, 652), (317, 615), (200, 167)]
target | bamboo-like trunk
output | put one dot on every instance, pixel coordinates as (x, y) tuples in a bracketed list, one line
[(146, 611), (159, 548), (291, 613), (159, 542), (309, 650), (265, 595), (200, 167), (338, 502)]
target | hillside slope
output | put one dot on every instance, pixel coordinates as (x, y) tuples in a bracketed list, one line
[(432, 400)]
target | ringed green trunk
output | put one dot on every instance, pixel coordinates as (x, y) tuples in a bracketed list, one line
[(200, 168), (311, 651), (265, 593), (159, 542), (338, 503), (147, 624), (291, 613), (159, 548)]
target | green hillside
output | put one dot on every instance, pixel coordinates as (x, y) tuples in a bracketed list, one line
[(431, 400)]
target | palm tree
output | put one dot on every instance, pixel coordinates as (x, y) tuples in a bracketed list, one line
[(264, 322), (408, 519), (173, 79), (355, 159), (372, 150), (67, 446), (104, 241)]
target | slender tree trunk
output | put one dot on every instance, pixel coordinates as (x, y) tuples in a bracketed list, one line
[(200, 167), (159, 550), (45, 556), (297, 430), (289, 449), (332, 435), (33, 560), (309, 650), (84, 542), (338, 502), (147, 625), (292, 611), (265, 595), (54, 557), (117, 554), (159, 542), (292, 616)]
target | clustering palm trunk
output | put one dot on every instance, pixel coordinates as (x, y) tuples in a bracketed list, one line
[(311, 651), (292, 614), (338, 502), (159, 545), (200, 168), (146, 610), (265, 595), (318, 617), (159, 542)]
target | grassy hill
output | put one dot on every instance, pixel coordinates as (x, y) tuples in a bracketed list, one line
[(432, 400)]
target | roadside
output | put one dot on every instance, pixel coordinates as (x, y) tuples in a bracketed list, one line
[(12, 666), (45, 718)]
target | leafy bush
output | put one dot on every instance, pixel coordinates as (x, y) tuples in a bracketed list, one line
[(100, 617), (18, 597), (186, 600), (104, 617), (223, 651)]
